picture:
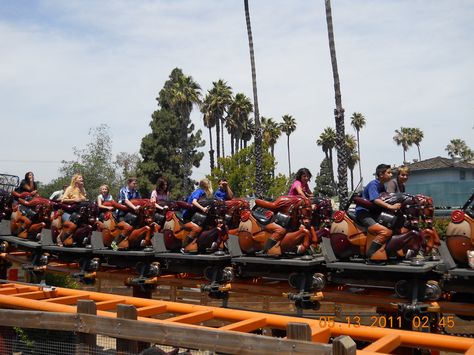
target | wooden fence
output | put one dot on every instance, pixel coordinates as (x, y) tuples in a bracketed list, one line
[(133, 335)]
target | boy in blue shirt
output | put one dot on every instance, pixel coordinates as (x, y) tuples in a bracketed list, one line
[(366, 217)]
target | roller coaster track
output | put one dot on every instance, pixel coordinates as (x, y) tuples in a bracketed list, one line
[(382, 340), (383, 299)]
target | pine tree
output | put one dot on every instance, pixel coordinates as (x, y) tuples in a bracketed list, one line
[(163, 150)]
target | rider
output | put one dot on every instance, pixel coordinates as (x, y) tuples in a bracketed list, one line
[(398, 184), (128, 193), (223, 192), (300, 185), (366, 217), (204, 190)]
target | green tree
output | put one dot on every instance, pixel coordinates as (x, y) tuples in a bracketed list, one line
[(94, 162), (127, 165), (403, 137), (238, 119), (166, 150), (338, 112), (217, 100), (358, 122), (209, 120), (416, 136), (179, 94), (323, 181), (258, 132), (458, 148), (288, 126), (239, 170), (353, 157), (327, 142)]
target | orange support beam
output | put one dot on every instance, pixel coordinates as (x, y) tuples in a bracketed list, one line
[(383, 339)]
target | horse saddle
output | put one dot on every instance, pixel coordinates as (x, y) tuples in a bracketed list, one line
[(282, 219), (27, 212), (199, 219), (262, 215), (75, 217), (130, 218), (158, 218)]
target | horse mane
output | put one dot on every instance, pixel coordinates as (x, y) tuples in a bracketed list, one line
[(286, 201), (237, 202)]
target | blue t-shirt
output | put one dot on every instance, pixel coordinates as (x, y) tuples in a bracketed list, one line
[(196, 195), (127, 194), (371, 192), (221, 194)]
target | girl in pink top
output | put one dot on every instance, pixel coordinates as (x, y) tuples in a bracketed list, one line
[(300, 185)]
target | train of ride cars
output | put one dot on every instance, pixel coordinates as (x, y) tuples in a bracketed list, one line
[(292, 238)]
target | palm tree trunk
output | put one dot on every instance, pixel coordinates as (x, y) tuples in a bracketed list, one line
[(231, 144), (222, 137), (419, 153), (218, 140), (358, 152), (338, 114), (211, 151), (404, 156), (352, 179), (259, 188), (289, 161)]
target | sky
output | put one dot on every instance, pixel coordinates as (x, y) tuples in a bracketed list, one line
[(69, 66)]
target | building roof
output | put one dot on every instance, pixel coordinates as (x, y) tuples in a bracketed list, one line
[(439, 163)]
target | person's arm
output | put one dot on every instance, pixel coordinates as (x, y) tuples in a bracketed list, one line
[(130, 204), (198, 205), (395, 207), (230, 194), (100, 199)]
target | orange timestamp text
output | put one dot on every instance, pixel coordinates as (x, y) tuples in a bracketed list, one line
[(383, 321)]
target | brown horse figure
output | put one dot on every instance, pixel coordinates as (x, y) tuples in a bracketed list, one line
[(350, 239), (205, 232), (134, 230), (29, 217), (276, 227), (6, 204), (213, 233), (75, 231), (460, 234)]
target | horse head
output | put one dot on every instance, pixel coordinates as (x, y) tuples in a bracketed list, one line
[(322, 211)]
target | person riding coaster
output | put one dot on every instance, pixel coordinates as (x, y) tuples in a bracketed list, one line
[(30, 216), (133, 230), (76, 230), (276, 228), (205, 232), (406, 237)]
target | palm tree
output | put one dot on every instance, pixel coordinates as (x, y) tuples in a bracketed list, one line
[(248, 129), (209, 122), (327, 141), (402, 137), (271, 131), (258, 133), (353, 157), (458, 148), (338, 113), (358, 122), (237, 118), (416, 138), (288, 127), (220, 98), (184, 93)]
